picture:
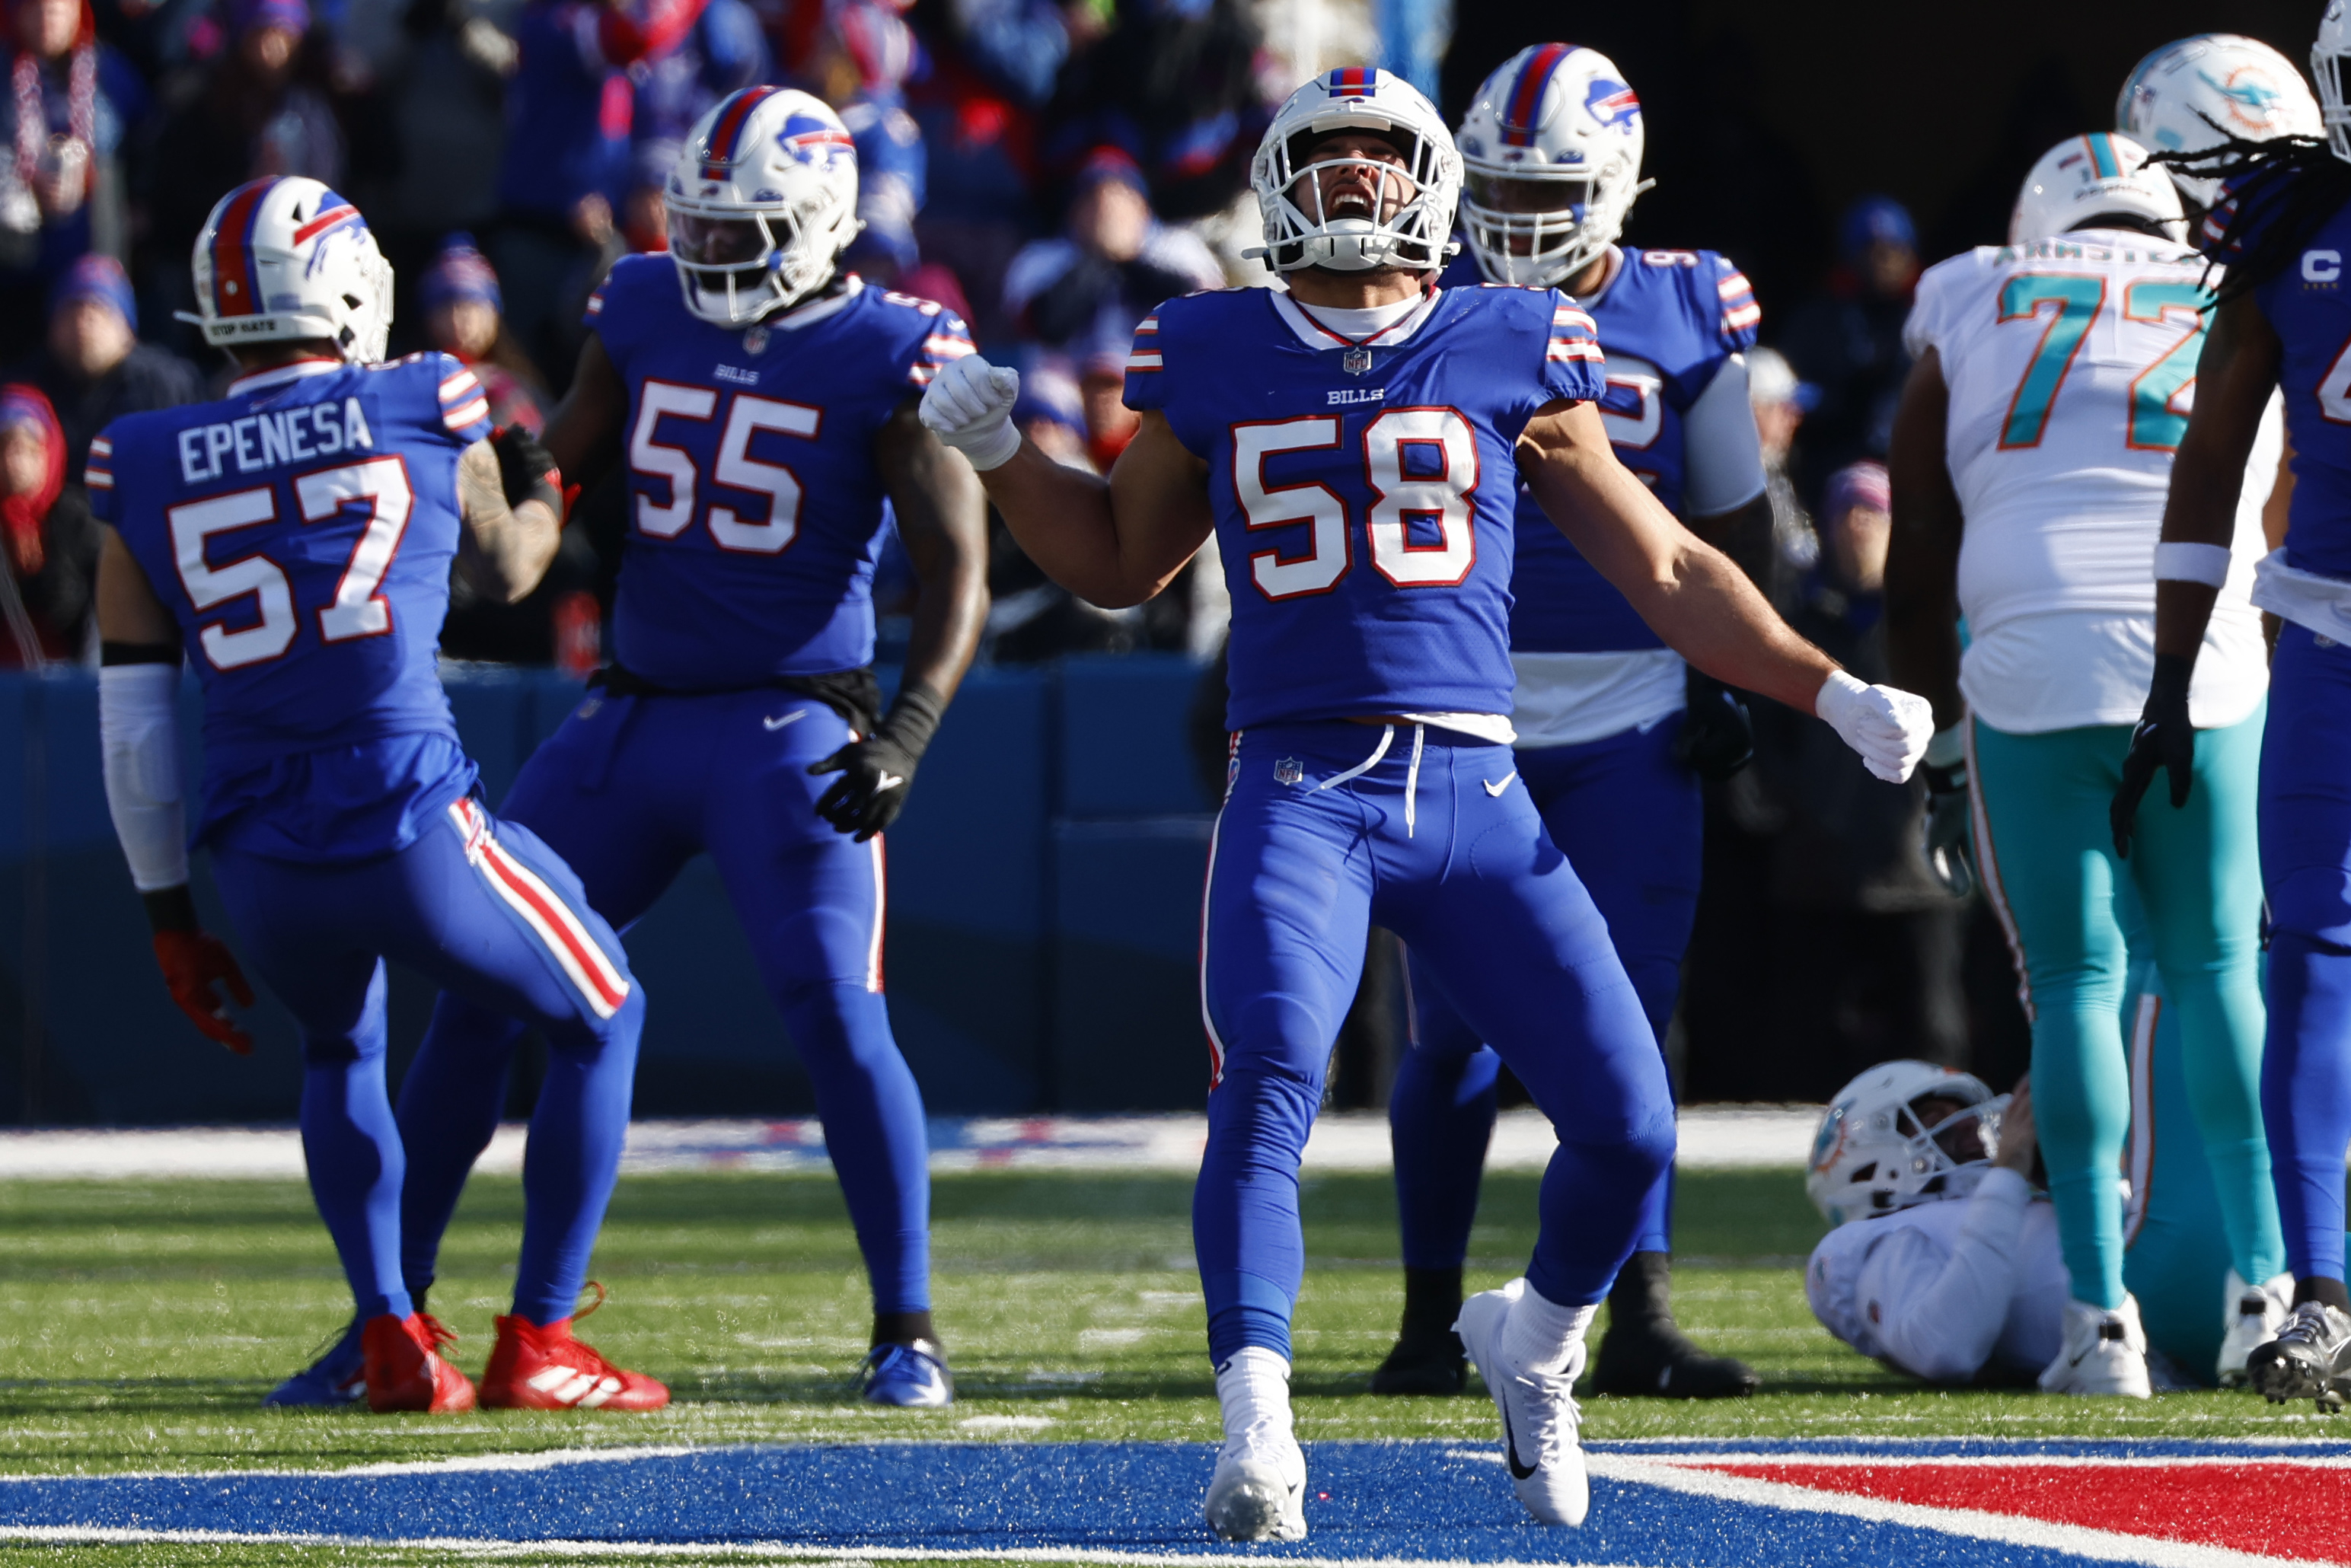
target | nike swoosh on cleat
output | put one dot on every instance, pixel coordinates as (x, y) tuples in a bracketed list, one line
[(787, 718), (889, 781), (1495, 789), (1518, 1471)]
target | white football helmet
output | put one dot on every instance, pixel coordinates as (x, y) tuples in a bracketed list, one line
[(2085, 177), (285, 259), (1872, 1154), (1552, 154), (2215, 87), (1298, 234), (762, 201), (2327, 57)]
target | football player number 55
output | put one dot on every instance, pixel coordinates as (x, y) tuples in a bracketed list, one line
[(378, 487), (736, 468), (1421, 464)]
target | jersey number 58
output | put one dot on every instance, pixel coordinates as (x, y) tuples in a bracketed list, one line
[(1439, 499)]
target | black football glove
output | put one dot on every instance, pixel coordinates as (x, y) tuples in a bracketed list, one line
[(2165, 740), (876, 772), (1716, 738), (1947, 840), (527, 470)]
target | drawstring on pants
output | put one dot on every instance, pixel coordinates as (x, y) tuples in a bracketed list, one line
[(1412, 773)]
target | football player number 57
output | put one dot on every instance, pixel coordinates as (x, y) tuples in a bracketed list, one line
[(1421, 464), (378, 487)]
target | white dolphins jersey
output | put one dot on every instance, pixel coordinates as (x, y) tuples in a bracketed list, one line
[(2072, 369)]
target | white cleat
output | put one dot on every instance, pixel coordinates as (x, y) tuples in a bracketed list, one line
[(2310, 1358), (1259, 1492), (1539, 1412), (2254, 1315), (2104, 1354)]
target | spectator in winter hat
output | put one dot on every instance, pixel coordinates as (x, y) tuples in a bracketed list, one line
[(1111, 264), (70, 101), (48, 542), (93, 368), (462, 306)]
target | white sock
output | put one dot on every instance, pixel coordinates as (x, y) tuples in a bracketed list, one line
[(1253, 1392), (1541, 1336)]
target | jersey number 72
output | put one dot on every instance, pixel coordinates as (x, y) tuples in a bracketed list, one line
[(2156, 419)]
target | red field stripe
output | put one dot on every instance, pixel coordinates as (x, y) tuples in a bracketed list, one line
[(2275, 1507)]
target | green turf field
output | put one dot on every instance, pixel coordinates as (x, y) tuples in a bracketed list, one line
[(140, 1322)]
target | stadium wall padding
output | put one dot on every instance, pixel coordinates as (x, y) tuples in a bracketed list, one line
[(1044, 887)]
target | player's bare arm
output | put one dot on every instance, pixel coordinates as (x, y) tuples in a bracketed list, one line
[(583, 434), (1113, 541), (2233, 382), (139, 737), (1922, 565), (510, 539), (943, 522), (1743, 533), (2234, 378), (1693, 596)]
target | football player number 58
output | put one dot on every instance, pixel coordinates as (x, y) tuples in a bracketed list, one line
[(1421, 464)]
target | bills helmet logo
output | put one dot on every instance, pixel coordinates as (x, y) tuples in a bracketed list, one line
[(812, 142), (1613, 103)]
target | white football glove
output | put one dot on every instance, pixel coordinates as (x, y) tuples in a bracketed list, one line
[(969, 405), (1890, 728)]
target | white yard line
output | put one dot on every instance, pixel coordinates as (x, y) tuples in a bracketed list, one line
[(1712, 1138)]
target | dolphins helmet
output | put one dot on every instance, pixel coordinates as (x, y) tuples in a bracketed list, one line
[(2196, 93), (1873, 1155), (2087, 177), (1551, 151)]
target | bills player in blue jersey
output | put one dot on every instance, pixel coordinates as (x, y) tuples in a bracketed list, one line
[(1356, 440), (764, 403), (294, 541), (1613, 730), (2282, 228)]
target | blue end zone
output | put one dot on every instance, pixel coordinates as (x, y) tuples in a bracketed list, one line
[(1414, 1502)]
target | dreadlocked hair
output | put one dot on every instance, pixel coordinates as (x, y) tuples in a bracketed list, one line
[(2285, 188)]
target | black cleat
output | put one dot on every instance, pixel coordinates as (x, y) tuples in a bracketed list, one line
[(1646, 1355), (1423, 1364), (2303, 1361), (1658, 1361)]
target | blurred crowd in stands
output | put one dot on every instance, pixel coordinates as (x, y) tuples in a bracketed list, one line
[(1048, 169)]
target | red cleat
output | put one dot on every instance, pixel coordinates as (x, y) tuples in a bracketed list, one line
[(404, 1366), (536, 1368)]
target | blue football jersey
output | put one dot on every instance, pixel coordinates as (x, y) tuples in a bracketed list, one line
[(1363, 492), (1667, 323), (301, 531), (754, 504), (2308, 307)]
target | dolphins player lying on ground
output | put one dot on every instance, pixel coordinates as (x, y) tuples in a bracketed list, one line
[(1944, 1262)]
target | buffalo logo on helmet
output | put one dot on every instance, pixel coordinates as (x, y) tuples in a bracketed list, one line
[(812, 142), (1613, 103)]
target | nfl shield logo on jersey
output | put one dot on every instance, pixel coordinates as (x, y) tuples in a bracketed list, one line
[(1287, 770), (755, 342), (1355, 360)]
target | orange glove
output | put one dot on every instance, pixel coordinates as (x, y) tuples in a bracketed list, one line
[(191, 961)]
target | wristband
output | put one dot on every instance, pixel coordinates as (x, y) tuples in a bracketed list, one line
[(2207, 564), (914, 717)]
